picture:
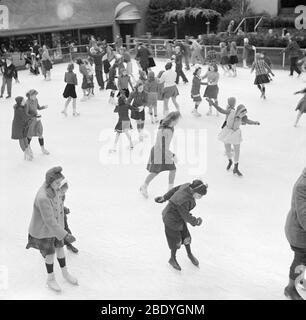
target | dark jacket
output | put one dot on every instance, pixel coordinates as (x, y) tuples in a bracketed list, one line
[(293, 49), (296, 220), (143, 55), (177, 211), (9, 71), (19, 122)]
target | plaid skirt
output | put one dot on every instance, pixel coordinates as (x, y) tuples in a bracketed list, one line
[(46, 246), (176, 238)]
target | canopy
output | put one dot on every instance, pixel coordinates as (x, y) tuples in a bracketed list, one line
[(127, 13)]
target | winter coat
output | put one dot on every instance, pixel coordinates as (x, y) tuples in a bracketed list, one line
[(143, 55), (177, 211), (295, 227), (293, 49), (10, 71), (48, 215), (196, 86), (19, 122)]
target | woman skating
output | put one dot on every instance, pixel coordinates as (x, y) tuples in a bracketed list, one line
[(262, 71), (35, 128), (19, 127), (69, 92), (124, 123), (47, 231), (151, 88), (195, 90), (138, 99), (46, 63), (161, 158), (176, 215), (301, 107), (212, 89), (86, 80), (231, 133)]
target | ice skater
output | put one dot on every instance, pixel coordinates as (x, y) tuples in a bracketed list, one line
[(212, 89), (124, 81), (195, 90), (46, 231), (124, 123), (295, 230), (151, 88), (176, 215), (262, 71), (9, 72), (69, 92), (86, 81), (138, 99), (233, 58), (224, 60), (111, 83), (301, 106), (161, 158), (231, 134), (35, 128)]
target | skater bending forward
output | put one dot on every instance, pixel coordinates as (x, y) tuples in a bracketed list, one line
[(176, 215)]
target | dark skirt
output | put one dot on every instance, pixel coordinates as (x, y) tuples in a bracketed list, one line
[(224, 60), (170, 92), (46, 246), (151, 62), (233, 60), (34, 128), (106, 66), (70, 91), (176, 238), (126, 92), (158, 164), (261, 78), (197, 98), (123, 126), (211, 92), (47, 65), (86, 83), (136, 115), (111, 85)]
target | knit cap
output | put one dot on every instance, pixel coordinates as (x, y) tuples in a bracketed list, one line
[(53, 174), (231, 101), (18, 100), (199, 187)]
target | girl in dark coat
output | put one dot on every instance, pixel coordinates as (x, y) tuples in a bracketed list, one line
[(195, 90), (176, 215), (161, 158), (124, 123), (19, 127), (138, 98), (111, 84)]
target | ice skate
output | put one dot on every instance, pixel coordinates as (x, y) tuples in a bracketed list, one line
[(196, 113), (72, 248), (292, 294), (193, 259), (84, 98), (113, 150), (64, 112), (52, 283), (230, 163), (144, 191), (174, 264), (209, 113), (71, 279), (236, 171), (76, 114), (45, 151)]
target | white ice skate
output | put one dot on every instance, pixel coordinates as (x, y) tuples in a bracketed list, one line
[(45, 151), (64, 112), (71, 279), (76, 114), (52, 284)]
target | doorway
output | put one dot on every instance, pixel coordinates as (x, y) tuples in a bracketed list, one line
[(127, 29)]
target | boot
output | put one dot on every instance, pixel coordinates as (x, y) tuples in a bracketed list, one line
[(230, 163), (45, 151), (170, 187), (30, 151), (52, 284), (64, 112), (236, 170), (72, 248), (175, 264), (76, 114), (71, 279), (290, 291), (193, 259), (144, 191)]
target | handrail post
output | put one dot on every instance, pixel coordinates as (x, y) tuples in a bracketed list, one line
[(284, 59)]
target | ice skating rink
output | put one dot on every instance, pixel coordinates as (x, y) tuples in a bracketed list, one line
[(123, 252)]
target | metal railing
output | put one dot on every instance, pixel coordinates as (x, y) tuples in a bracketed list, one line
[(246, 18)]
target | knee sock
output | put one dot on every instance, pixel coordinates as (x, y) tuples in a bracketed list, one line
[(196, 106), (49, 268), (259, 87), (29, 140), (41, 142), (62, 262)]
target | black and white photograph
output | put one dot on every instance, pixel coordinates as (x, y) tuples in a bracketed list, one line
[(152, 150)]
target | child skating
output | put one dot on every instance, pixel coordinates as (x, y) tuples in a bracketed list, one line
[(195, 91), (69, 92), (151, 88)]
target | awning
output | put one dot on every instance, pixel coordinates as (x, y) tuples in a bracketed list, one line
[(127, 13)]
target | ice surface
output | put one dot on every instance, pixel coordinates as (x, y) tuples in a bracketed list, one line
[(241, 246)]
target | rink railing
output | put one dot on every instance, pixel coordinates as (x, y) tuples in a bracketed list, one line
[(66, 54)]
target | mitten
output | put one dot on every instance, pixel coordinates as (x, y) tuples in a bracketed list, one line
[(159, 199), (70, 238)]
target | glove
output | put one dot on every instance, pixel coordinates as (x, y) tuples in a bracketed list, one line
[(70, 238), (159, 199), (199, 221)]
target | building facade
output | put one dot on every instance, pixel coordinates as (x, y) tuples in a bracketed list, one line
[(65, 21)]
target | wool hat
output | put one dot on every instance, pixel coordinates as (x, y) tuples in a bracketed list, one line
[(18, 99), (199, 187), (241, 110), (53, 174), (151, 75), (231, 101), (31, 93)]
